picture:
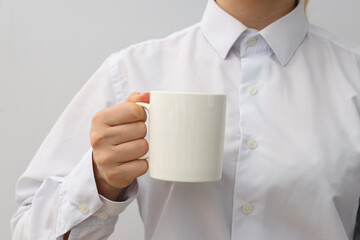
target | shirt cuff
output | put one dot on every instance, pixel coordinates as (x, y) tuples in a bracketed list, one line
[(112, 208), (80, 198)]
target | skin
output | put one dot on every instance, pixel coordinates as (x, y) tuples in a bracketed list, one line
[(117, 138), (117, 133), (257, 14)]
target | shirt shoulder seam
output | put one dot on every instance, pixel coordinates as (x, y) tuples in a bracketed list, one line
[(118, 76), (332, 38)]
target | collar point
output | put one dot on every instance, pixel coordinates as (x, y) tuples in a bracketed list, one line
[(223, 55), (284, 62)]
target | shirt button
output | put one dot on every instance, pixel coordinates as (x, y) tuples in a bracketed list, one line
[(251, 90), (102, 216), (247, 208), (252, 42), (251, 143), (84, 208)]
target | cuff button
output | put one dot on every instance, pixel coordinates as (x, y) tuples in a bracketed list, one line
[(102, 216)]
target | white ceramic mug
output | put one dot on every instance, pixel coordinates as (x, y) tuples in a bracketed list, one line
[(186, 136)]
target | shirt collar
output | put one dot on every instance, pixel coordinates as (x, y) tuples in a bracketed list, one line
[(283, 36)]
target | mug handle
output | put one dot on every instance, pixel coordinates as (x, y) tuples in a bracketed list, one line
[(146, 106)]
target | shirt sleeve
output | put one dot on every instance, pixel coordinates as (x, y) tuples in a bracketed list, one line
[(57, 192)]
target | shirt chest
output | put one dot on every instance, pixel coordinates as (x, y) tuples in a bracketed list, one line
[(280, 121)]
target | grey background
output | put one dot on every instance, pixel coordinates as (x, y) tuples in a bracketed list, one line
[(48, 50)]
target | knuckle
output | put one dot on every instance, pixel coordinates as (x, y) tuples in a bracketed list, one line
[(122, 105), (104, 159), (97, 138), (134, 112), (108, 157), (132, 95), (98, 117), (100, 163), (111, 176)]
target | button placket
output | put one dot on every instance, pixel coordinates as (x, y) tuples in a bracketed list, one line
[(252, 42), (250, 48), (247, 208), (252, 90), (251, 143)]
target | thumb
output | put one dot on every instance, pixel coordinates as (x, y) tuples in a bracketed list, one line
[(139, 97)]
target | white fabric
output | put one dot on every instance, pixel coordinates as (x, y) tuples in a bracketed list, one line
[(292, 146)]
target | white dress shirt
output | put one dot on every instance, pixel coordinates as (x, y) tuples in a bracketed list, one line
[(292, 144)]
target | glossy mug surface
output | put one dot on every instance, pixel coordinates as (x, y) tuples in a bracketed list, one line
[(186, 136)]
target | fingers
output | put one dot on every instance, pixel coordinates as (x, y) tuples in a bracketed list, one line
[(122, 175), (122, 133), (109, 155), (130, 150), (117, 138), (139, 97), (128, 132), (126, 112)]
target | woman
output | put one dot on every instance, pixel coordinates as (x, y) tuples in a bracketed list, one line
[(292, 142)]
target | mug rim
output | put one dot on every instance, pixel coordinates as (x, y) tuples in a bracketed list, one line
[(188, 93)]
